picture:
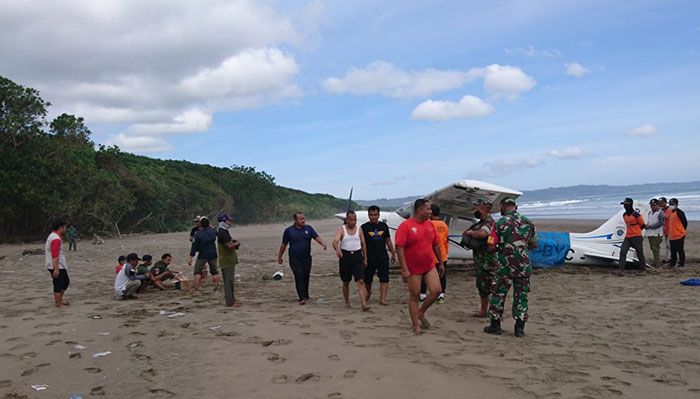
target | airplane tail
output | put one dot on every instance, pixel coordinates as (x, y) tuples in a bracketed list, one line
[(614, 228)]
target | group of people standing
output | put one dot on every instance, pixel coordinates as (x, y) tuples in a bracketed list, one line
[(665, 224)]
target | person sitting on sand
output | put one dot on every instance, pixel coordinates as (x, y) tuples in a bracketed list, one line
[(417, 242), (144, 270), (349, 245), (160, 272), (127, 281), (55, 262)]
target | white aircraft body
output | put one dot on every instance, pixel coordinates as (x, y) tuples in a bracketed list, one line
[(458, 202)]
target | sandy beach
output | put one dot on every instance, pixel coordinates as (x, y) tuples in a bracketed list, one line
[(590, 334)]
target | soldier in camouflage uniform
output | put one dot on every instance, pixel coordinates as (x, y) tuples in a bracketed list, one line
[(511, 237), (484, 261)]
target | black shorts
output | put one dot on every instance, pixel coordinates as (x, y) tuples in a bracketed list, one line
[(381, 267), (351, 266), (61, 282)]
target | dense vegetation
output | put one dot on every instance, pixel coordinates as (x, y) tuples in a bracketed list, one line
[(52, 169)]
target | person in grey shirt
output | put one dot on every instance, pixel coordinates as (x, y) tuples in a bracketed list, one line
[(653, 232)]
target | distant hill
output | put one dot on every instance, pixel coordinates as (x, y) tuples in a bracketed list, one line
[(553, 193), (581, 191)]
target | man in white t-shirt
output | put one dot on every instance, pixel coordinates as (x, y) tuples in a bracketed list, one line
[(127, 281), (55, 262)]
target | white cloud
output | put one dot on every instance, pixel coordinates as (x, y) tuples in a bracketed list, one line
[(393, 181), (571, 152), (531, 51), (577, 70), (642, 131), (383, 78), (467, 107), (125, 62), (140, 143), (504, 81), (190, 121), (502, 167)]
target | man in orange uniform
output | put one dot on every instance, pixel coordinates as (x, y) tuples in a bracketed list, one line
[(633, 236), (444, 236), (677, 224)]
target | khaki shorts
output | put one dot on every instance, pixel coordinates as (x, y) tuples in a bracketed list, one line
[(213, 266)]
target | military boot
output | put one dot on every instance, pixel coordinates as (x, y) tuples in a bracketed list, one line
[(519, 328), (494, 328)]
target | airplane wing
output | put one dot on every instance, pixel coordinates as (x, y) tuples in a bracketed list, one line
[(460, 198)]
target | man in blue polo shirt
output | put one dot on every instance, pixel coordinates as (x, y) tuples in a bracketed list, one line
[(298, 236)]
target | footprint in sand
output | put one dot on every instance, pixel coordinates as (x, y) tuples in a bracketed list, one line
[(349, 373), (308, 377), (13, 339), (280, 379), (93, 370), (5, 383), (97, 391), (277, 342), (27, 355), (137, 333), (74, 355), (335, 395), (159, 392), (133, 345), (53, 342), (274, 358), (148, 373), (141, 356), (334, 357), (34, 369), (347, 334)]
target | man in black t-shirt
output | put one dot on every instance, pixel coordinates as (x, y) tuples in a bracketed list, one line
[(377, 240)]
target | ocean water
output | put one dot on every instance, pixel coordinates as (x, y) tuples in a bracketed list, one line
[(604, 206)]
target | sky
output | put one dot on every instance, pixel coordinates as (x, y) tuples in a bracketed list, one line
[(392, 98)]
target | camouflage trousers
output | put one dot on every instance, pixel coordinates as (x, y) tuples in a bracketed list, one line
[(485, 269), (520, 279)]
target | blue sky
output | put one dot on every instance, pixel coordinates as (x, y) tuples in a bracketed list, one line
[(393, 98)]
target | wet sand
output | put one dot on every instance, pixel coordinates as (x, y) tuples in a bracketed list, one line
[(590, 335)]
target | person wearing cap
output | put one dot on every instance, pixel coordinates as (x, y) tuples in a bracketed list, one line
[(196, 228), (298, 236), (418, 245), (55, 262), (653, 232), (633, 236), (677, 225), (127, 281), (204, 247), (443, 232), (663, 203), (485, 261), (511, 238), (228, 258)]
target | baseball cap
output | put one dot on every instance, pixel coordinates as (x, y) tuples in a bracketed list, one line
[(132, 256), (627, 201), (146, 258), (224, 217), (662, 199), (654, 201), (673, 201), (197, 219), (508, 201)]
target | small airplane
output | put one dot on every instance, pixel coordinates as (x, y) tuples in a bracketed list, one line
[(458, 202)]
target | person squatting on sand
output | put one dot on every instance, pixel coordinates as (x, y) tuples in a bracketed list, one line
[(444, 236), (633, 237), (160, 271), (512, 235), (677, 225), (485, 261), (298, 236), (204, 246), (653, 232), (377, 240), (228, 258), (127, 281), (417, 242), (349, 245), (55, 262)]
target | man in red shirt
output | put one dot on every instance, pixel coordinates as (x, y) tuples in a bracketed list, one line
[(55, 262), (633, 237), (418, 245)]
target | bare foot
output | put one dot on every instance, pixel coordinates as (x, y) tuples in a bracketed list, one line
[(479, 314), (384, 303), (236, 304), (365, 308), (302, 302), (347, 304), (424, 323), (417, 330)]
